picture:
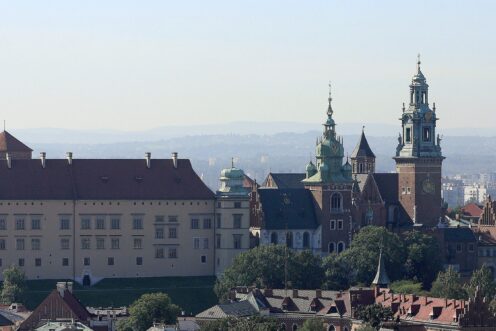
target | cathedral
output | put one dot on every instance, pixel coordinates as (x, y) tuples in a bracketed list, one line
[(322, 208)]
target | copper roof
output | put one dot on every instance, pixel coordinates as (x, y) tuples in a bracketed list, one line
[(9, 143)]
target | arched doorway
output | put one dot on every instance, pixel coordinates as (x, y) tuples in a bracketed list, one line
[(86, 280)]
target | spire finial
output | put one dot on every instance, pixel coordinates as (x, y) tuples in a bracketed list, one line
[(434, 106), (418, 62), (329, 109), (363, 128), (232, 162), (403, 107), (3, 125)]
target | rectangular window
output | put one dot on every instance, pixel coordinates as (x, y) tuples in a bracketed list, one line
[(64, 223), (137, 243), (340, 224), (219, 221), (207, 223), (35, 224), (86, 244), (217, 240), (408, 135), (196, 243), (237, 221), (20, 225), (100, 223), (64, 243), (100, 243), (173, 218), (172, 232), (3, 223), (139, 260), (205, 243), (172, 253), (333, 225), (137, 223), (159, 233), (408, 190), (115, 243), (21, 262), (159, 218), (65, 262), (2, 244), (237, 204), (110, 261), (159, 253), (35, 244), (195, 223), (203, 259), (115, 223), (37, 262), (86, 261), (20, 244), (85, 223), (237, 241)]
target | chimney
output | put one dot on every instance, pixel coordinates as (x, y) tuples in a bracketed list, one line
[(148, 156), (295, 293), (61, 286), (318, 293), (69, 157), (174, 159), (43, 159), (9, 160)]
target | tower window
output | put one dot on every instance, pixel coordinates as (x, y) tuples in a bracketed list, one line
[(336, 203), (408, 135), (426, 134)]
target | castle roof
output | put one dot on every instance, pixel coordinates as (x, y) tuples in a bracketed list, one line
[(362, 149), (284, 180), (9, 143), (381, 277)]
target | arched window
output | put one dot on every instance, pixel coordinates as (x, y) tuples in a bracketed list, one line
[(332, 247), (294, 327), (306, 240), (289, 239), (273, 238), (331, 328), (360, 168), (336, 202), (340, 247)]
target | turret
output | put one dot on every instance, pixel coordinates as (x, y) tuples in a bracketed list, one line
[(362, 158), (381, 279)]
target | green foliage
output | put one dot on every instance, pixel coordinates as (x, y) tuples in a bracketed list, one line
[(363, 254), (14, 284), (255, 323), (149, 308), (483, 280), (263, 266), (375, 314), (448, 285), (423, 260), (313, 324), (407, 287), (337, 272), (366, 327)]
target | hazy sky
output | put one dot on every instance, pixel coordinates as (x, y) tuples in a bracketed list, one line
[(142, 64)]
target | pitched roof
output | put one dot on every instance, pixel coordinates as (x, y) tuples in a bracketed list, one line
[(286, 180), (9, 143), (233, 309), (381, 277), (115, 179), (472, 210), (388, 186), (461, 234), (287, 208), (362, 149)]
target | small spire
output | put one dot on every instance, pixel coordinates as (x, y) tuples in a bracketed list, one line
[(418, 62), (381, 278), (232, 162), (403, 107), (434, 106), (329, 108)]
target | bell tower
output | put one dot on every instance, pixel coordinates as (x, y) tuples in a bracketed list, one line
[(418, 156)]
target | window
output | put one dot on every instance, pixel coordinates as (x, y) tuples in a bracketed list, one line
[(64, 243), (85, 243), (137, 243), (203, 259), (217, 240), (172, 253), (35, 224), (115, 223), (408, 135), (196, 243), (306, 240), (332, 225), (65, 262), (237, 204), (110, 261), (2, 244), (172, 232), (159, 253), (159, 218), (85, 224), (37, 262), (139, 260), (21, 262), (86, 261), (459, 248), (115, 243), (3, 223), (195, 223), (173, 218), (137, 223), (408, 190), (237, 221), (100, 243), (20, 224), (219, 221), (332, 247), (35, 244), (237, 241), (159, 233), (205, 243), (20, 244), (273, 238), (426, 134), (294, 327), (100, 223), (336, 203), (289, 239), (340, 224), (207, 223), (340, 247), (64, 223)]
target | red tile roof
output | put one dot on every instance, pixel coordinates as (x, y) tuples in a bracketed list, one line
[(472, 210), (9, 143)]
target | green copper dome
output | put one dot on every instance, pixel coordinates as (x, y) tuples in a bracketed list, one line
[(232, 173)]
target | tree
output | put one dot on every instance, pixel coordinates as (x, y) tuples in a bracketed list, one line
[(366, 327), (447, 285), (363, 254), (423, 260), (313, 324), (149, 308), (337, 272), (407, 287), (375, 314), (255, 323), (14, 283), (483, 280), (264, 266)]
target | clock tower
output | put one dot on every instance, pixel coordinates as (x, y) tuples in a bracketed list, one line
[(418, 156)]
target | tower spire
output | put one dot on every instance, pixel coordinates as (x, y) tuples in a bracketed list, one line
[(418, 62), (381, 278), (329, 108)]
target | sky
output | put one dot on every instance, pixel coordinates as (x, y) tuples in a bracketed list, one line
[(137, 65)]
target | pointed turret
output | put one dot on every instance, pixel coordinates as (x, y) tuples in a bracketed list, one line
[(13, 147), (362, 158), (381, 279)]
